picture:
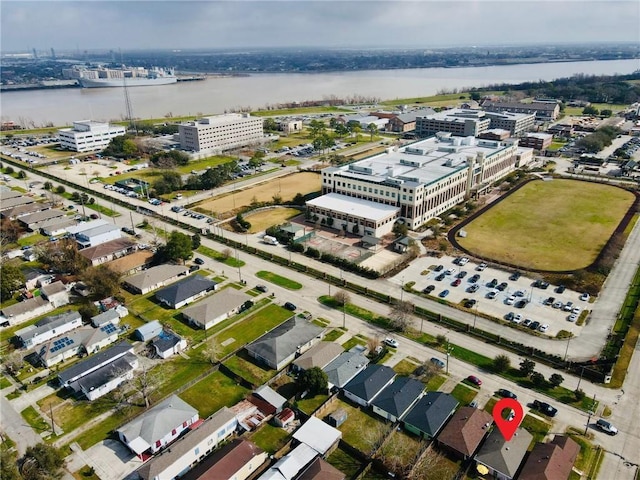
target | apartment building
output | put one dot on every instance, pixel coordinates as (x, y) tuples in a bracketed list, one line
[(457, 121), (220, 133), (516, 123), (88, 136), (418, 182), (537, 141)]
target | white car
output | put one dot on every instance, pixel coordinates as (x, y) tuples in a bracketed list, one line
[(392, 342), (463, 261), (450, 271), (517, 319), (481, 267), (510, 300), (573, 317), (576, 310), (544, 327), (584, 297)]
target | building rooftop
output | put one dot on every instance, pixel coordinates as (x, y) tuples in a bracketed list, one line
[(184, 289), (345, 367), (95, 361), (399, 396), (107, 248), (318, 356), (318, 435), (354, 206), (155, 275), (503, 456), (368, 383), (47, 324), (431, 411), (466, 429), (216, 305)]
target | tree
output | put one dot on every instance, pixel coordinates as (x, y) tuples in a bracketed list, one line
[(298, 199), (400, 229), (60, 189), (226, 253), (62, 257), (400, 315), (195, 241), (556, 380), (22, 175), (475, 96), (355, 229), (41, 462), (606, 112), (88, 310), (49, 186), (256, 160), (10, 230), (8, 465), (372, 129), (342, 297), (316, 127), (538, 379), (146, 383), (313, 380), (590, 110), (277, 199), (11, 280), (579, 394), (526, 367), (212, 351), (178, 247), (432, 466), (102, 281), (13, 362), (270, 125), (501, 363)]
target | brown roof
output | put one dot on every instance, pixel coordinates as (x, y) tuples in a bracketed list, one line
[(137, 259), (107, 248), (225, 462), (465, 430), (321, 470), (551, 461)]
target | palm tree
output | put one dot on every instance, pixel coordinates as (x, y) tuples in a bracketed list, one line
[(372, 129)]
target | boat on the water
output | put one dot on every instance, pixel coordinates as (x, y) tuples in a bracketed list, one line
[(129, 76)]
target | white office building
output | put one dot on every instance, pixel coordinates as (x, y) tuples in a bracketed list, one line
[(415, 183), (220, 133), (88, 136)]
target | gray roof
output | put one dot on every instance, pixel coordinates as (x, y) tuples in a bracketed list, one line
[(53, 288), (98, 230), (94, 362), (165, 341), (149, 329), (87, 336), (155, 275), (185, 289), (284, 340), (23, 307), (318, 435), (367, 384), (431, 411), (104, 374), (26, 209), (16, 201), (168, 457), (82, 226), (216, 305), (47, 324), (270, 396), (503, 456), (7, 193), (155, 423), (345, 367), (399, 396), (319, 355), (41, 216), (105, 317)]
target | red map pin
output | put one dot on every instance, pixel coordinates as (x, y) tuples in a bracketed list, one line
[(507, 427)]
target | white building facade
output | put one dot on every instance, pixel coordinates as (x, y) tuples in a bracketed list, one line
[(88, 136), (220, 133)]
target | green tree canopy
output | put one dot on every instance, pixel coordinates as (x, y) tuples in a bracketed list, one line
[(11, 280), (42, 462), (178, 247), (102, 281), (313, 380)]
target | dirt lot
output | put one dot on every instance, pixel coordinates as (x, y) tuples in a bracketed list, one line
[(262, 220), (287, 187)]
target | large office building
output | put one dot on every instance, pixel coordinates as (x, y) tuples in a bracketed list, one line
[(544, 111), (516, 123), (88, 136), (220, 133), (457, 121), (414, 183)]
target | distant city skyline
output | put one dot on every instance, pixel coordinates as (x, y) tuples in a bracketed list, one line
[(157, 24)]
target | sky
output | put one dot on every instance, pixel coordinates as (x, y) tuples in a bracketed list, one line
[(178, 24)]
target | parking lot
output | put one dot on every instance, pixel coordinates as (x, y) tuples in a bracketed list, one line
[(489, 300)]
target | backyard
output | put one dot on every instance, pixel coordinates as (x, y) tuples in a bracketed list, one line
[(212, 393)]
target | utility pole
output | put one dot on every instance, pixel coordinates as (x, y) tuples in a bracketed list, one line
[(449, 350), (475, 315)]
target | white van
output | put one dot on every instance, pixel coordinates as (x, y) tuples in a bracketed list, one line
[(269, 240)]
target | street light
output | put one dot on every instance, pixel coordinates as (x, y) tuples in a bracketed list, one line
[(567, 349), (475, 315), (449, 350), (402, 289)]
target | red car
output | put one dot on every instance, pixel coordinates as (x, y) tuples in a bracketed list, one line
[(456, 282), (475, 380)]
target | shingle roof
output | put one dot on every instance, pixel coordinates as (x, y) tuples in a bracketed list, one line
[(53, 288), (551, 461), (155, 423), (95, 361), (47, 324), (216, 305), (503, 456), (319, 355), (24, 307), (160, 463), (431, 411), (107, 248), (368, 383), (166, 341), (466, 429), (321, 470), (399, 396), (284, 340), (185, 289), (155, 275), (345, 367), (104, 374)]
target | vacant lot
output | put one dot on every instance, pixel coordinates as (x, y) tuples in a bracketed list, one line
[(556, 225), (287, 187), (264, 219)]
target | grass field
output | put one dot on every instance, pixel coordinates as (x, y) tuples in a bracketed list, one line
[(227, 393), (557, 225), (278, 280), (287, 187), (269, 438), (264, 219)]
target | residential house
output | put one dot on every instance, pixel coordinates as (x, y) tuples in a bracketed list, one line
[(18, 201), (32, 277), (167, 344), (290, 465), (429, 415), (154, 278), (107, 378), (503, 458), (148, 331), (366, 386), (284, 418), (98, 235), (551, 461), (49, 327), (465, 431), (346, 366), (191, 449), (156, 428), (68, 378), (278, 348), (23, 311), (238, 460), (108, 251), (15, 212), (249, 413), (396, 399), (269, 395), (319, 469), (320, 355), (320, 436), (290, 126), (83, 340), (56, 293), (216, 308), (132, 263), (56, 226), (185, 291), (84, 226), (401, 245), (32, 221), (113, 315)]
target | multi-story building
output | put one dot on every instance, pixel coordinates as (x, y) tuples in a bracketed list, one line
[(88, 136), (457, 121), (537, 141), (516, 123), (419, 181), (544, 111), (220, 133)]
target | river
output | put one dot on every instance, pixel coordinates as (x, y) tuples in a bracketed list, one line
[(215, 95)]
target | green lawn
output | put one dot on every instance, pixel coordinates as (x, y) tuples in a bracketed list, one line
[(405, 367), (212, 393), (32, 240), (243, 366), (400, 446), (102, 430), (464, 394), (310, 404), (278, 280), (252, 327), (298, 111), (555, 225), (4, 382), (269, 438), (537, 428), (361, 429), (333, 335), (344, 462), (228, 260), (435, 383), (34, 419), (353, 341)]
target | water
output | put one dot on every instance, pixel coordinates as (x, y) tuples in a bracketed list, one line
[(215, 95)]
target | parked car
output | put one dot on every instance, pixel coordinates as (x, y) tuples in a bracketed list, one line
[(543, 328), (443, 293), (509, 316), (473, 288), (462, 274), (470, 303), (439, 268), (517, 319), (534, 325), (198, 261), (456, 282), (549, 301), (527, 322), (573, 317), (428, 289), (503, 392), (560, 288), (557, 305), (481, 267), (474, 278), (392, 342), (520, 293), (514, 276), (493, 283), (545, 408), (568, 306), (437, 362), (475, 380), (606, 427), (440, 277), (463, 261), (510, 300), (290, 306), (492, 294), (262, 288), (450, 271), (584, 297), (503, 286)]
